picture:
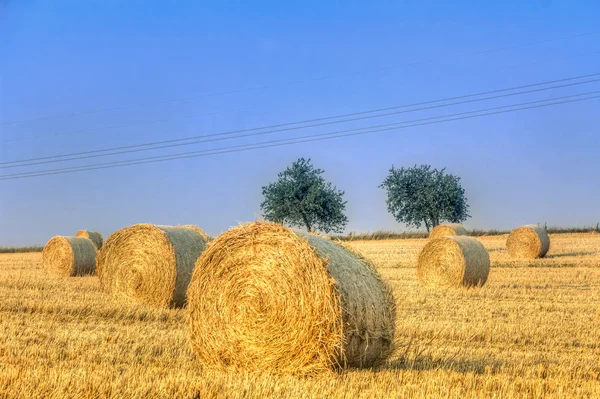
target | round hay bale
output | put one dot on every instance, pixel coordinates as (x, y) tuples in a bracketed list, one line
[(197, 229), (92, 235), (453, 261), (528, 242), (266, 298), (69, 256), (150, 264), (448, 230)]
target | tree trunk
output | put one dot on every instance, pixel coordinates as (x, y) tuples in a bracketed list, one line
[(426, 224), (435, 221), (307, 223)]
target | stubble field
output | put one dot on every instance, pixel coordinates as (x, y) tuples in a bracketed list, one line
[(532, 331)]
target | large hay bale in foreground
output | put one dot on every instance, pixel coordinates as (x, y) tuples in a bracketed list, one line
[(448, 230), (92, 235), (264, 298), (453, 261), (149, 263), (528, 242), (69, 256)]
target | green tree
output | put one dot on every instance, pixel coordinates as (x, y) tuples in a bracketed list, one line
[(422, 195), (302, 197)]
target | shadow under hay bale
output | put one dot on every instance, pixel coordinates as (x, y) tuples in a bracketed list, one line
[(92, 235), (150, 264), (453, 261), (528, 242), (448, 230), (265, 298), (69, 256)]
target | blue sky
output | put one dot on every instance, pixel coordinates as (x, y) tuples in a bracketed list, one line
[(286, 62)]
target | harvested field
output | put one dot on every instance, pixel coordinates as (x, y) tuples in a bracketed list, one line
[(531, 331)]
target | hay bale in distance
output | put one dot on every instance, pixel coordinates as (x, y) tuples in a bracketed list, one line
[(149, 263), (453, 261), (265, 298), (92, 235), (448, 230), (198, 230), (69, 256), (528, 242)]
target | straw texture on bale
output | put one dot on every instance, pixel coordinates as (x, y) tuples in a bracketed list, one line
[(266, 298), (448, 230), (528, 242), (198, 230), (92, 235), (149, 263), (453, 261), (69, 256)]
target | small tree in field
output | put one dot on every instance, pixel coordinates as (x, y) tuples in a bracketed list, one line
[(422, 195), (302, 197)]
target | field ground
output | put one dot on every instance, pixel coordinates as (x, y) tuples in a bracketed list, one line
[(532, 331)]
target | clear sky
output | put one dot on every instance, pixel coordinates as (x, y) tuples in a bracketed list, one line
[(280, 62)]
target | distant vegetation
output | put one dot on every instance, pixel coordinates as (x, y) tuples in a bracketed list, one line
[(393, 235), (421, 195), (301, 197), (378, 235), (14, 250)]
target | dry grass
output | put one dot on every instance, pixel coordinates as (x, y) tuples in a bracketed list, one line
[(532, 331)]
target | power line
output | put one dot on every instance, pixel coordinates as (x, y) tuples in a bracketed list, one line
[(339, 131), (181, 99), (274, 131), (124, 150), (261, 145), (196, 114), (285, 126), (272, 143)]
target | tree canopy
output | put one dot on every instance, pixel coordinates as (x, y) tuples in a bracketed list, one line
[(302, 197), (422, 195)]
